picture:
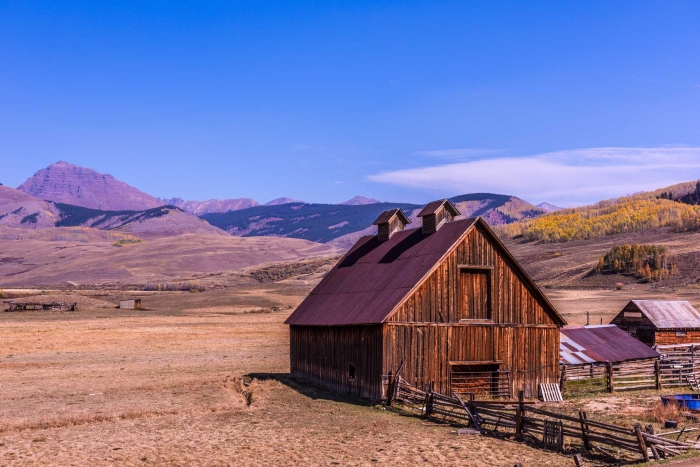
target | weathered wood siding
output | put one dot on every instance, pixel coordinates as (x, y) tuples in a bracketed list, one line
[(323, 355), (670, 337), (531, 353), (439, 299), (636, 323)]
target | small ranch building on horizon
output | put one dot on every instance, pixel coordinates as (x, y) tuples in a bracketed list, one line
[(660, 322), (445, 302)]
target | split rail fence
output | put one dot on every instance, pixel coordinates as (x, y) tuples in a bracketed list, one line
[(670, 372), (546, 428)]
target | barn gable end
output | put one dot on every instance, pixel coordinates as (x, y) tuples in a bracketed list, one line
[(446, 307)]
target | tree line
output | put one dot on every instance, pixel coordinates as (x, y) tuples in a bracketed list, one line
[(647, 262)]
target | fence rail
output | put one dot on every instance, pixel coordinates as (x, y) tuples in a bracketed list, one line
[(547, 428), (646, 374)]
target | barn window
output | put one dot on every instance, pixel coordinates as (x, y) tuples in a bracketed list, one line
[(681, 333), (351, 372), (475, 289), (633, 314)]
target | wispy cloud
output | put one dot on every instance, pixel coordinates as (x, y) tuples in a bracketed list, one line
[(567, 178), (460, 153)]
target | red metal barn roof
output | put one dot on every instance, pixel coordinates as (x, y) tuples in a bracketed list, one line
[(666, 314), (600, 344), (374, 277)]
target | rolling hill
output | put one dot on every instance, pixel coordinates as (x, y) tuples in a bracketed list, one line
[(330, 222), (640, 212)]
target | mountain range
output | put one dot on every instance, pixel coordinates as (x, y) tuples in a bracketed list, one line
[(66, 195)]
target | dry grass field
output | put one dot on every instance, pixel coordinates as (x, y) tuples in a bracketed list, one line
[(198, 380), (202, 379)]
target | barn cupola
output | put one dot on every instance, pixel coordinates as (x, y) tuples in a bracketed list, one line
[(436, 214), (389, 222)]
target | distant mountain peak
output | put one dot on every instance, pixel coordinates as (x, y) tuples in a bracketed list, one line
[(67, 183), (199, 208), (284, 200), (547, 207), (360, 200)]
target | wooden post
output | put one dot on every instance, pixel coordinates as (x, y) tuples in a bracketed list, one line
[(611, 382), (562, 379), (654, 452), (642, 443), (519, 416), (657, 371), (390, 389), (578, 460), (429, 400), (584, 430), (560, 440)]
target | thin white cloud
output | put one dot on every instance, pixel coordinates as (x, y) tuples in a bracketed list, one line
[(566, 178), (460, 153)]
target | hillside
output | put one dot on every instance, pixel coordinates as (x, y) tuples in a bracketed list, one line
[(640, 212), (343, 224), (573, 264), (71, 184), (18, 209), (80, 255)]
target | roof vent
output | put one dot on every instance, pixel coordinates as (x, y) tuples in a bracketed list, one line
[(389, 222), (436, 214)]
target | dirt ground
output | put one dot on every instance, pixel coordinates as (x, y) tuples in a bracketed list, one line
[(202, 379)]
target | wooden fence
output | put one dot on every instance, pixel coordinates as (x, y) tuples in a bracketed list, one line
[(624, 376), (544, 427)]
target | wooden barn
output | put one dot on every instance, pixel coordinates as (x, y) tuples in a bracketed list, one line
[(445, 303), (660, 322)]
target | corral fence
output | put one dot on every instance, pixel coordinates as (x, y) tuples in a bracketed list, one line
[(545, 428), (667, 372)]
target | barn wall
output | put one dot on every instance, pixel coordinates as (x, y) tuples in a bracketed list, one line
[(639, 327), (669, 337), (323, 355), (531, 353), (438, 300)]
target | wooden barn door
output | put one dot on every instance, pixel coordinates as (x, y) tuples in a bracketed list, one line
[(478, 378), (475, 286)]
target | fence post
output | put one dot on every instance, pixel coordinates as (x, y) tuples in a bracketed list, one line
[(390, 389), (429, 400), (562, 379), (584, 430), (657, 370), (642, 444), (519, 416), (611, 383)]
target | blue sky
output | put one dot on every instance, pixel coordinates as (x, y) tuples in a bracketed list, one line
[(567, 102)]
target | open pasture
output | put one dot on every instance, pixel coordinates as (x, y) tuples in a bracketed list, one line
[(201, 379)]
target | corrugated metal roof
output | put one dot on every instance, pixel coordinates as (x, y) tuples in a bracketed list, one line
[(601, 344), (388, 214), (666, 314), (433, 206), (374, 277)]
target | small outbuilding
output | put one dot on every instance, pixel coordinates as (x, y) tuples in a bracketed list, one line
[(131, 304), (660, 322), (445, 304), (593, 356)]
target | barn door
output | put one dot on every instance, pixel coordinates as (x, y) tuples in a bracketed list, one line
[(476, 294), (474, 379)]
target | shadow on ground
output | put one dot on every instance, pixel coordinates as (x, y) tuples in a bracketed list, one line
[(311, 390)]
